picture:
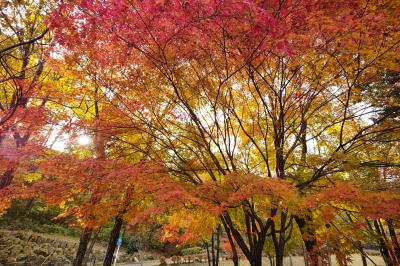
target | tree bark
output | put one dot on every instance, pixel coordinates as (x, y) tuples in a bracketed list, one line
[(364, 260), (6, 178), (235, 257), (270, 261), (208, 254), (279, 244), (382, 245), (212, 249), (112, 242), (363, 257), (253, 251), (92, 242), (359, 245), (83, 243), (310, 241), (218, 244), (393, 236)]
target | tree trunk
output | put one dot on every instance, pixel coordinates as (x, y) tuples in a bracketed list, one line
[(255, 260), (270, 260), (364, 260), (91, 245), (279, 244), (112, 242), (358, 245), (235, 257), (363, 257), (218, 244), (279, 240), (382, 245), (310, 241), (253, 248), (393, 236), (208, 254), (312, 254), (83, 243), (212, 250), (279, 258), (6, 178)]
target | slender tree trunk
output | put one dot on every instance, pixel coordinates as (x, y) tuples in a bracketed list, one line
[(6, 178), (218, 244), (208, 254), (359, 245), (270, 260), (279, 244), (382, 244), (364, 260), (279, 240), (363, 257), (235, 257), (91, 245), (212, 250), (83, 243), (112, 242), (393, 237)]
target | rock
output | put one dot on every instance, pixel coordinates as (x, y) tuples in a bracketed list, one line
[(176, 259), (11, 259), (22, 257), (11, 240), (40, 258), (16, 250), (33, 238), (32, 257), (39, 240), (62, 262), (59, 250), (162, 261), (41, 252), (3, 253)]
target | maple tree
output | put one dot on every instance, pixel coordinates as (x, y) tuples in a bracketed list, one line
[(24, 117), (270, 116), (98, 182), (275, 89)]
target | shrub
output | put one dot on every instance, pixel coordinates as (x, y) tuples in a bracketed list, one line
[(133, 245), (191, 251)]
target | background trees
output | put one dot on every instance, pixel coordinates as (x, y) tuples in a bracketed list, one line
[(23, 117)]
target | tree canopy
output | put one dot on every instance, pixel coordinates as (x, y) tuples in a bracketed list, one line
[(269, 119)]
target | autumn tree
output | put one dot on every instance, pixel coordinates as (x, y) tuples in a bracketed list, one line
[(23, 77), (274, 89)]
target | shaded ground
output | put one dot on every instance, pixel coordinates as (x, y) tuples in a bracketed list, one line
[(22, 246), (296, 261)]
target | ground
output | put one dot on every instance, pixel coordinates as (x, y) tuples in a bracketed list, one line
[(21, 246)]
